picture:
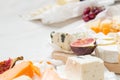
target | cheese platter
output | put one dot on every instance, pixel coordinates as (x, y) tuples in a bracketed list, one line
[(87, 49)]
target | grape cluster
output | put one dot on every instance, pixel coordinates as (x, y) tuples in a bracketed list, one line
[(90, 13)]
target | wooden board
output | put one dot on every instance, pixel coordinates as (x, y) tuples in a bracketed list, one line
[(63, 56), (113, 67)]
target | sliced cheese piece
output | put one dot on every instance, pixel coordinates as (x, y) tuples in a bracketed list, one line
[(50, 74), (108, 53), (84, 68), (23, 68), (105, 26), (94, 25), (23, 77)]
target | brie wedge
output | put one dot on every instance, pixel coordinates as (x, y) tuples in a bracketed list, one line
[(108, 53)]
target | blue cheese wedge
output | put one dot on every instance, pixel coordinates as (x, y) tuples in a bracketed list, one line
[(62, 40), (84, 68)]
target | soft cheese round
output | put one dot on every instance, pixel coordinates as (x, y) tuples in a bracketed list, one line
[(109, 53)]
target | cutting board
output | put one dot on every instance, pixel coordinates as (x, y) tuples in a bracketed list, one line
[(63, 56)]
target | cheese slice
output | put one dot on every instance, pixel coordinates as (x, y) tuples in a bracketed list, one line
[(94, 25), (24, 68), (108, 53), (105, 26), (84, 68)]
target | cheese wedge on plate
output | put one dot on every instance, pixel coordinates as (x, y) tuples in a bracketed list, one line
[(109, 53), (107, 49)]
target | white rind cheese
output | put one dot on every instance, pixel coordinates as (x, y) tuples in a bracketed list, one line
[(102, 42), (84, 68), (108, 53)]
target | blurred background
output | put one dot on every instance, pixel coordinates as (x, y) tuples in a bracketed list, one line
[(21, 37)]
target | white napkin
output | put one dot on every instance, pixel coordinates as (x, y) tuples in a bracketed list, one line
[(59, 13)]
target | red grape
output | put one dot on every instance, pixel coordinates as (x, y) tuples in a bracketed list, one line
[(96, 11), (86, 18), (90, 13), (94, 8), (86, 11)]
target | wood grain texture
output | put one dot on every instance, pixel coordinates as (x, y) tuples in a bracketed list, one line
[(114, 67)]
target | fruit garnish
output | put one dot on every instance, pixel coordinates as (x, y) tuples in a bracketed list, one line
[(7, 64), (83, 46), (91, 12), (87, 10)]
